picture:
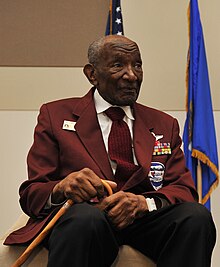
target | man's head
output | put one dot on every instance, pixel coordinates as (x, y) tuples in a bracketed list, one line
[(115, 69)]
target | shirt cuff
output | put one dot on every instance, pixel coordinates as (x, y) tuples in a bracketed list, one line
[(49, 203), (151, 204)]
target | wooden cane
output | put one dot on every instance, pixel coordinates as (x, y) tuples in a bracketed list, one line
[(24, 256)]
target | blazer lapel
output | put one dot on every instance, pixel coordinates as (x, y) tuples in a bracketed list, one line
[(143, 146), (143, 142), (88, 130)]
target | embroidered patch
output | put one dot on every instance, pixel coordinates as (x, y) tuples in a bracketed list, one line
[(156, 174), (161, 148)]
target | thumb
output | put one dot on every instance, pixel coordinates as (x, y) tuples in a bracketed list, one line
[(112, 184)]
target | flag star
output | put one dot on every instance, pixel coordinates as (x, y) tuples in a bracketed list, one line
[(118, 21), (119, 33), (118, 9)]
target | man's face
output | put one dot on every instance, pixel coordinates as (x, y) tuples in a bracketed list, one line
[(119, 72)]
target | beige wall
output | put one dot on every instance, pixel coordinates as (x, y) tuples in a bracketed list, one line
[(160, 28), (44, 33), (27, 88)]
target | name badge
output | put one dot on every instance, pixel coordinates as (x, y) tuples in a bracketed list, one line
[(69, 125)]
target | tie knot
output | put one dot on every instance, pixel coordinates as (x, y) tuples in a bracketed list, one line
[(115, 113)]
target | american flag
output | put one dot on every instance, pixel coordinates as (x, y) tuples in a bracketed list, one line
[(115, 22)]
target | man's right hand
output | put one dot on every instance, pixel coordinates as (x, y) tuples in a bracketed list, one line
[(79, 186)]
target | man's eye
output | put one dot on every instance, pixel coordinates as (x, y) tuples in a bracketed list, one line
[(138, 66), (117, 65)]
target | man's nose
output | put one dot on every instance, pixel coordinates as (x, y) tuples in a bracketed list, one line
[(130, 74)]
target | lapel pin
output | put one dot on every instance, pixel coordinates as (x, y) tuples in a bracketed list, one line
[(157, 136), (69, 125)]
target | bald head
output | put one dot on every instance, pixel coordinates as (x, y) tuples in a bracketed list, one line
[(95, 48)]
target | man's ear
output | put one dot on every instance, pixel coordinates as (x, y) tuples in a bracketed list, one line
[(89, 71)]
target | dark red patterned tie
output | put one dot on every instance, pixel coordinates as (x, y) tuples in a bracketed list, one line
[(120, 146)]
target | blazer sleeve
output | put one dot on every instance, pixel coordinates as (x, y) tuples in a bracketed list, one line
[(43, 171)]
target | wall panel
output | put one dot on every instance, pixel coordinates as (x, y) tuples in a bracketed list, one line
[(49, 32)]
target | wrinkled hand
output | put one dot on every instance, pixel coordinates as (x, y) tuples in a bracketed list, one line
[(79, 186), (122, 208)]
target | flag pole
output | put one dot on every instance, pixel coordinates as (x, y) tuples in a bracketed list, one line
[(199, 181), (110, 14)]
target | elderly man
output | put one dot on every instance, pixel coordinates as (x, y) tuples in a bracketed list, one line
[(107, 135)]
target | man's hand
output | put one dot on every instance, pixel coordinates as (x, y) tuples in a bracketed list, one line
[(79, 186), (123, 208)]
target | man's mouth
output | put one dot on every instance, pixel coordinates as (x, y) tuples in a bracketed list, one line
[(129, 91)]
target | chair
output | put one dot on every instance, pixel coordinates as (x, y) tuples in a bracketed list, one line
[(127, 257)]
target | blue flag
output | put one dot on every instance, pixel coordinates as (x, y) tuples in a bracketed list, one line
[(115, 22), (199, 137)]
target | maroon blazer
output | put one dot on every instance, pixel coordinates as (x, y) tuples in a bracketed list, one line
[(56, 152)]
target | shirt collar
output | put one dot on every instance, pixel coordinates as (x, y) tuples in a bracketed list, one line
[(101, 105)]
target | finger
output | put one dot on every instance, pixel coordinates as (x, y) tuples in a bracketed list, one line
[(112, 184), (121, 207), (80, 182), (98, 186), (121, 218), (81, 189), (87, 194), (121, 222), (87, 178), (80, 195), (88, 189), (95, 181), (76, 198), (125, 223)]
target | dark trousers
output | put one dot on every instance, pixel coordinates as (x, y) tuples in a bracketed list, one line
[(178, 235)]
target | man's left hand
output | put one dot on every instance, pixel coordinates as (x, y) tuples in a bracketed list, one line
[(123, 208)]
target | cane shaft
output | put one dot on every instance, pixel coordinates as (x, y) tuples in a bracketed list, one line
[(24, 256), (42, 234)]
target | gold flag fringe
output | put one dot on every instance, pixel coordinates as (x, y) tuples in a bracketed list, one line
[(203, 158)]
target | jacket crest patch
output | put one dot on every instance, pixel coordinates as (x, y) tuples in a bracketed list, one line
[(156, 174)]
